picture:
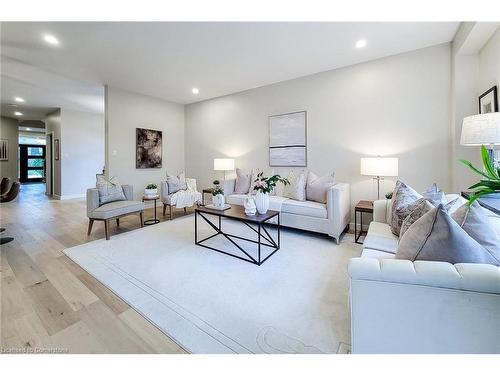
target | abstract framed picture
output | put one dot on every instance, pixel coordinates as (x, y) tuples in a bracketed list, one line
[(488, 101), (148, 148), (288, 140), (4, 149)]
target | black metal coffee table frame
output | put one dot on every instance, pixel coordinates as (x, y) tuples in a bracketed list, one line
[(261, 231)]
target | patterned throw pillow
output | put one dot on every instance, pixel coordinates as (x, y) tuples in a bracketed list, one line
[(435, 195), (297, 187), (176, 183), (437, 237), (242, 182), (109, 190), (474, 220), (403, 197), (317, 187)]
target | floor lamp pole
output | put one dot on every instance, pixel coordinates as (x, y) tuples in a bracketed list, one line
[(378, 178)]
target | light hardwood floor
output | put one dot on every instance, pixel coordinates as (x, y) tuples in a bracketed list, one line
[(47, 300)]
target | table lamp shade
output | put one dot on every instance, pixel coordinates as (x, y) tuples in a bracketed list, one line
[(223, 164), (379, 166), (481, 129)]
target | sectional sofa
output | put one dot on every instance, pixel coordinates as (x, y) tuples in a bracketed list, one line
[(331, 218), (399, 306)]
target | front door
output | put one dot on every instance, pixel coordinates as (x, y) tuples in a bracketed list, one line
[(31, 163)]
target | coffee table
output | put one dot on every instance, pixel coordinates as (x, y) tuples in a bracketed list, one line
[(237, 213)]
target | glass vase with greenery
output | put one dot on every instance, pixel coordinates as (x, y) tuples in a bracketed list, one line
[(490, 177)]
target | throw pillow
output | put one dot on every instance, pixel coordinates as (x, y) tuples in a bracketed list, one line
[(243, 182), (110, 190), (437, 237), (317, 187), (403, 197), (176, 183), (421, 207), (435, 195), (297, 187), (475, 221)]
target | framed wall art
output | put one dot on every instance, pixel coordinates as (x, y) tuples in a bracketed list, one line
[(288, 140), (148, 148)]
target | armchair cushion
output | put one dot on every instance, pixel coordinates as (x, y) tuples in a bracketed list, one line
[(110, 190), (117, 208)]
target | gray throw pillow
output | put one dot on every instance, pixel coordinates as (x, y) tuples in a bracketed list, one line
[(317, 187), (110, 190), (296, 189), (403, 197), (176, 183), (242, 182), (435, 195), (474, 220), (437, 237)]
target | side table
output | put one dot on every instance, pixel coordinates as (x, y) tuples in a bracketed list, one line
[(361, 208), (203, 192), (151, 198)]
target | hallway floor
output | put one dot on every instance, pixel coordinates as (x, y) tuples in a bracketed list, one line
[(47, 301)]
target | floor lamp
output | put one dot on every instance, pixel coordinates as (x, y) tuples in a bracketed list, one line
[(379, 167), (224, 165)]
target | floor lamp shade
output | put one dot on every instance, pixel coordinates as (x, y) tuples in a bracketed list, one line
[(223, 164), (481, 129), (379, 166)]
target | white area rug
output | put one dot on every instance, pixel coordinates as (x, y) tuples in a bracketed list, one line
[(296, 302)]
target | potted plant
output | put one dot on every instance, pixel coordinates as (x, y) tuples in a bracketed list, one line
[(263, 186), (490, 181), (151, 190), (218, 194)]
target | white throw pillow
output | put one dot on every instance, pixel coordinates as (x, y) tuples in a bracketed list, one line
[(243, 182), (297, 187), (317, 187)]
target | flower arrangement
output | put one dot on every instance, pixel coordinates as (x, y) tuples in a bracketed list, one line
[(490, 178), (152, 186), (217, 189), (267, 184)]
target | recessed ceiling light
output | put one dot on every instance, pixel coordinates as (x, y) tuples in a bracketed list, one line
[(18, 99), (51, 39), (18, 113), (28, 129), (195, 91), (360, 43)]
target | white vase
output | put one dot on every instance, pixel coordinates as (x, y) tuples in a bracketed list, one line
[(218, 200), (262, 202), (150, 192)]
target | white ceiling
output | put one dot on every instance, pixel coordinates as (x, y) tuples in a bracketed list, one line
[(166, 60)]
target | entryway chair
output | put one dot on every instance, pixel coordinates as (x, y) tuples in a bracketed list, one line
[(10, 196)]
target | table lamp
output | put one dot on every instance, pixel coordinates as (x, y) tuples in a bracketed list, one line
[(379, 167), (224, 165), (480, 130)]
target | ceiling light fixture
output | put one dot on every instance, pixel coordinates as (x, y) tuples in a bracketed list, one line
[(361, 43), (18, 99), (18, 113), (195, 91), (51, 39), (28, 129)]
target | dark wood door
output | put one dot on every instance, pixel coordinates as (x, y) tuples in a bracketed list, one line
[(31, 163)]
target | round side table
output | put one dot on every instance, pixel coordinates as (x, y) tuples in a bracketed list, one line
[(151, 198)]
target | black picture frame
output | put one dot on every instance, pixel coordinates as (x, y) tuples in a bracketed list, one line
[(495, 99)]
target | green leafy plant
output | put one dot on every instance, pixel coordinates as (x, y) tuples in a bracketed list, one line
[(388, 195), (267, 184), (490, 181), (217, 189), (216, 182), (152, 186)]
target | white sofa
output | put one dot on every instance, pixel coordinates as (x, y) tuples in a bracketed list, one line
[(399, 306), (331, 218)]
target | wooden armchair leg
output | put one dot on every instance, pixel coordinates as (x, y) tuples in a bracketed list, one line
[(141, 218), (91, 223), (170, 212), (164, 208), (106, 229), (185, 209), (118, 222)]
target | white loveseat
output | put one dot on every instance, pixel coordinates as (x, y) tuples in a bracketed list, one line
[(331, 218), (399, 306)]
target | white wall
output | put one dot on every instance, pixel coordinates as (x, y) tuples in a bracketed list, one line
[(126, 111), (489, 63), (9, 130), (397, 106), (82, 151)]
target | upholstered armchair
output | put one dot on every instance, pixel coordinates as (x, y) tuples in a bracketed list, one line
[(112, 210), (190, 198)]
